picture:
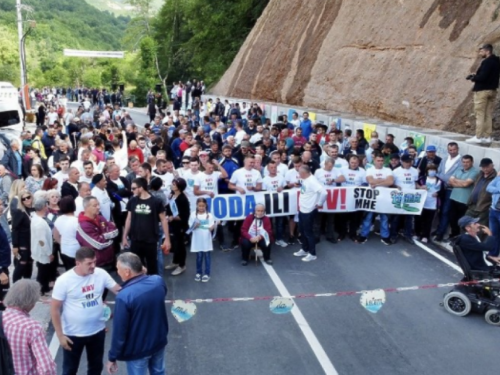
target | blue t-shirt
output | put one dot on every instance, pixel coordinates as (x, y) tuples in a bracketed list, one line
[(19, 171), (306, 126)]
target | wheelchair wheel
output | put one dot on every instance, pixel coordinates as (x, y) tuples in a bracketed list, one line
[(492, 317), (457, 303)]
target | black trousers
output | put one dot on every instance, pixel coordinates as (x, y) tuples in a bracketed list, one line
[(23, 265), (423, 223), (348, 223), (247, 246), (457, 210), (44, 276), (236, 229), (3, 291), (94, 345), (147, 252), (68, 262), (178, 248)]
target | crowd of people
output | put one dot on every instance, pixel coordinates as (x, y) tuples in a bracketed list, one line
[(95, 194)]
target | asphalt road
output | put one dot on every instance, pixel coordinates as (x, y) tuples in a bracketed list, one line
[(411, 334)]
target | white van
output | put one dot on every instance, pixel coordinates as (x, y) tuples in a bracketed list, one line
[(11, 115)]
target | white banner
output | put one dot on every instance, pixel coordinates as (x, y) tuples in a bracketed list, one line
[(339, 199), (109, 54)]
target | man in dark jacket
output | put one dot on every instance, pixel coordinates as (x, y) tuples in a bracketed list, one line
[(141, 301), (485, 93), (480, 200), (5, 260), (70, 187), (473, 247), (13, 160)]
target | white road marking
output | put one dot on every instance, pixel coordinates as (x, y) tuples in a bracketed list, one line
[(54, 346), (440, 257), (311, 338)]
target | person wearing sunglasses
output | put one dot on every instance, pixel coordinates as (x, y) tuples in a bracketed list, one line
[(21, 236)]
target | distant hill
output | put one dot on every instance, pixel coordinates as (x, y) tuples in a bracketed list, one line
[(119, 7), (60, 24)]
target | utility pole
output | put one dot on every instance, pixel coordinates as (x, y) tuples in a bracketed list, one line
[(21, 49)]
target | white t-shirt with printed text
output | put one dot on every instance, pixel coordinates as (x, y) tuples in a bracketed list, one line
[(82, 312), (245, 178)]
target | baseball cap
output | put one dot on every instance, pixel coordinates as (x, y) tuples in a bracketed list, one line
[(245, 144), (467, 220), (485, 162), (431, 148), (182, 131), (406, 158), (76, 119)]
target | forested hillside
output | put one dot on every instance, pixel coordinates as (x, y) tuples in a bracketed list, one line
[(59, 24)]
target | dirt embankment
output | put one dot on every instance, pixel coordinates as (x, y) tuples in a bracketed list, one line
[(398, 60)]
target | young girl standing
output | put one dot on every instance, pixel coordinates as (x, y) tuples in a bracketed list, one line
[(201, 223)]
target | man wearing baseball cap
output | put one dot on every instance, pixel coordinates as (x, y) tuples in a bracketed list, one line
[(472, 246), (480, 200), (430, 158)]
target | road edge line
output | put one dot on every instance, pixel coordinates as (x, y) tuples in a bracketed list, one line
[(440, 257)]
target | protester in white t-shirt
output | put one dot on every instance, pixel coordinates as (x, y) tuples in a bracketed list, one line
[(100, 193), (63, 175), (327, 175), (191, 177), (352, 175), (405, 179), (378, 177), (333, 153), (275, 182), (312, 197), (281, 168), (207, 183), (78, 312), (349, 177), (246, 179), (64, 232), (83, 192)]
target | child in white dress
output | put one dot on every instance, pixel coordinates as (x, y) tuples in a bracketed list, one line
[(202, 223)]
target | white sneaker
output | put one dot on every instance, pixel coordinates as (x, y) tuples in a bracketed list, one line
[(309, 258), (486, 140), (178, 271), (301, 253), (473, 140), (281, 243)]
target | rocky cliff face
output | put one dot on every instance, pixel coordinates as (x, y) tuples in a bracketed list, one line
[(398, 60)]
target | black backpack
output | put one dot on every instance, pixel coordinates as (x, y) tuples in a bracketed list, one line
[(6, 362)]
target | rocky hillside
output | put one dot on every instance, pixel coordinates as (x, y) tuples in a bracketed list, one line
[(398, 60)]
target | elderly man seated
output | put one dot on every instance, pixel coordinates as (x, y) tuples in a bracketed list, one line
[(256, 231), (471, 245)]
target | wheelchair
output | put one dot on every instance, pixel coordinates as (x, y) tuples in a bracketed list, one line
[(482, 298)]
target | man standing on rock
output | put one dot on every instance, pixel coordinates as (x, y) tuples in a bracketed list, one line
[(485, 92)]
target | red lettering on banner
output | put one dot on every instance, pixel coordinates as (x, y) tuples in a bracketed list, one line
[(332, 199)]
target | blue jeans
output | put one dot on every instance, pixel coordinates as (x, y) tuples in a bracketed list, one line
[(154, 363), (495, 230), (367, 223), (306, 228), (408, 227), (444, 217), (200, 256)]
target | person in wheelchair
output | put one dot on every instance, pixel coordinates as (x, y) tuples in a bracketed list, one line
[(473, 247)]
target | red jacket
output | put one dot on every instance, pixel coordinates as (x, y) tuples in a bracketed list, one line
[(137, 153), (97, 234), (266, 223)]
